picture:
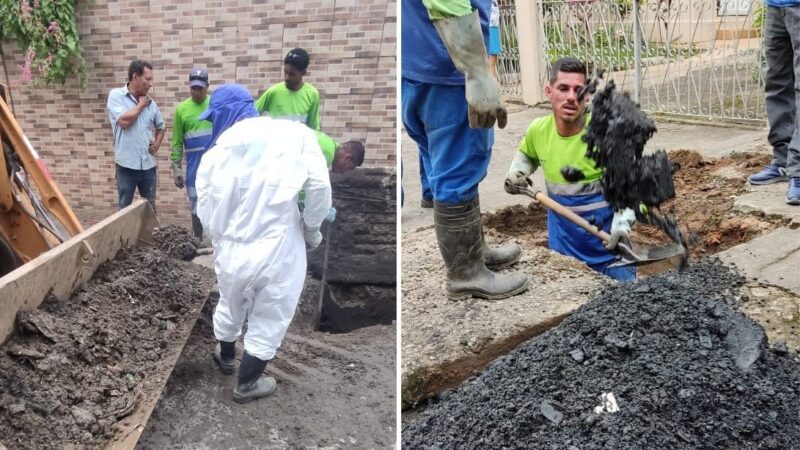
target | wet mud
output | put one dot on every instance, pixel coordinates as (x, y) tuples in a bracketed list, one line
[(616, 137), (74, 367), (177, 242), (667, 362)]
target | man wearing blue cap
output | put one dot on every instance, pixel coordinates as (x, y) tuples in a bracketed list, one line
[(191, 136), (247, 191)]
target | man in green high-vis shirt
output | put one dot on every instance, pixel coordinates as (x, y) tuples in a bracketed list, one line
[(294, 99), (192, 137), (340, 158)]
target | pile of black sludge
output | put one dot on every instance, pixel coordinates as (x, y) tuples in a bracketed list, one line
[(663, 363)]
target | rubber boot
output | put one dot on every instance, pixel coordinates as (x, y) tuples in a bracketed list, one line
[(225, 356), (460, 239), (197, 227), (497, 258), (252, 383)]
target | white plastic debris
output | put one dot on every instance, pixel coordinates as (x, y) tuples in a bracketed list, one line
[(607, 404)]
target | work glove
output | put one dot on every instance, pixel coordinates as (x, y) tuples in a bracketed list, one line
[(464, 41), (331, 215), (621, 228), (517, 176), (516, 181), (312, 236), (177, 174)]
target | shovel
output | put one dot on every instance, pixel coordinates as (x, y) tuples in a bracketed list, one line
[(625, 253)]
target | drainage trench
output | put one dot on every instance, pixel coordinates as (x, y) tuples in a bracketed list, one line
[(359, 272)]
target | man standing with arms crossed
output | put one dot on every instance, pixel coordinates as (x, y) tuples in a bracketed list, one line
[(450, 116), (134, 116), (191, 136)]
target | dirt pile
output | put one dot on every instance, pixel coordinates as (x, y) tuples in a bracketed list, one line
[(177, 242), (74, 367), (684, 369)]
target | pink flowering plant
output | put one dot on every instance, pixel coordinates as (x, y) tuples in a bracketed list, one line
[(47, 33)]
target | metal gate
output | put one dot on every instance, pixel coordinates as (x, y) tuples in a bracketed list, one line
[(508, 60), (695, 58)]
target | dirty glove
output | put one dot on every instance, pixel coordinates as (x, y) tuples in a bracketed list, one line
[(464, 41), (312, 236), (177, 174), (517, 176), (331, 215), (621, 227)]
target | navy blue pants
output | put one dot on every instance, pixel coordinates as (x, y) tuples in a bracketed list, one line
[(453, 156), (128, 180)]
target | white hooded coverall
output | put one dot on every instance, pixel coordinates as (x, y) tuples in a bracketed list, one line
[(247, 189)]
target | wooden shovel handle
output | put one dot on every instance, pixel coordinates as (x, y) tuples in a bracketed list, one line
[(561, 210)]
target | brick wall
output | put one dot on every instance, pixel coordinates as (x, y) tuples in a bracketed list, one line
[(351, 42)]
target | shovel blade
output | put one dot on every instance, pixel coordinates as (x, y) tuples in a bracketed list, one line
[(649, 255)]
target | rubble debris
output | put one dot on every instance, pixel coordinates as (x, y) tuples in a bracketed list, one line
[(73, 367)]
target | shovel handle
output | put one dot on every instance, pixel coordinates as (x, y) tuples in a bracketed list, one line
[(562, 211)]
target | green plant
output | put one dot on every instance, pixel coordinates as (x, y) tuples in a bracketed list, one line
[(47, 32), (759, 17)]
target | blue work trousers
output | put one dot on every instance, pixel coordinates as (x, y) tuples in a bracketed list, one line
[(453, 156)]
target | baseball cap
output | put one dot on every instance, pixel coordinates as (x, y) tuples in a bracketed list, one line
[(198, 77)]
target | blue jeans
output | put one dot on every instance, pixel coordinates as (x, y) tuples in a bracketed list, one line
[(128, 180), (454, 156), (782, 85)]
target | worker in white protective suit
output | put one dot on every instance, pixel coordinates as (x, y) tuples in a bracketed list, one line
[(247, 188)]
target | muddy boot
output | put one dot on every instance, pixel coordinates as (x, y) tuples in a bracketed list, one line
[(197, 227), (458, 232), (252, 384), (225, 356), (496, 258)]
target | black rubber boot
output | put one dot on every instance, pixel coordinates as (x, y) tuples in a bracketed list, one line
[(197, 227), (426, 204), (460, 239), (252, 383), (497, 258), (225, 356)]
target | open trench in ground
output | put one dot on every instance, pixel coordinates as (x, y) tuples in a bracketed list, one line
[(706, 189)]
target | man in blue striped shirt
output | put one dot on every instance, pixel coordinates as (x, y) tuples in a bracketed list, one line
[(138, 128)]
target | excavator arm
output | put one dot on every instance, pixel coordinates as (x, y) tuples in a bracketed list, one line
[(34, 216)]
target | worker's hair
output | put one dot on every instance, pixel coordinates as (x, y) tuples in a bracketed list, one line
[(137, 67), (356, 151), (297, 57), (567, 65)]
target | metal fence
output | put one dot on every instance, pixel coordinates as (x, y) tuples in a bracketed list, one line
[(696, 58), (508, 60)]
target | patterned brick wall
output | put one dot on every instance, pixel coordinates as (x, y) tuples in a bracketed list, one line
[(352, 44)]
